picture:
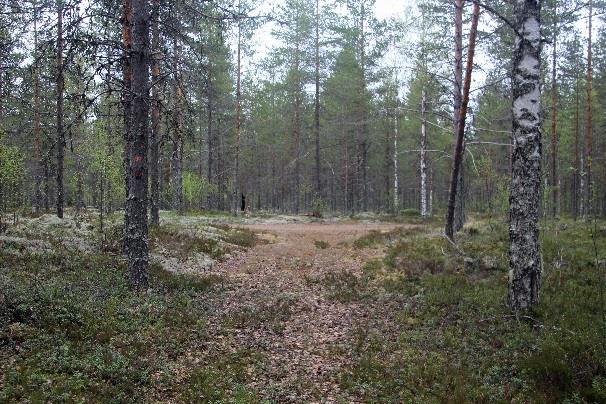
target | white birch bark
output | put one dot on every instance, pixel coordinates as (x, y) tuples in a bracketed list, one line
[(525, 197)]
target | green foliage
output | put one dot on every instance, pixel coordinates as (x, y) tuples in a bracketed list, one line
[(321, 244), (195, 189), (318, 207), (222, 381), (410, 212), (458, 341), (74, 331), (184, 243), (12, 174)]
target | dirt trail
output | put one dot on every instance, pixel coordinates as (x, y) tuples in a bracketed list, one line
[(276, 303)]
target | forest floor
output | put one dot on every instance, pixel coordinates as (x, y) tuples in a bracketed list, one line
[(286, 309), (288, 299)]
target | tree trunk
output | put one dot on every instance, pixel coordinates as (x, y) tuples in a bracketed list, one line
[(588, 122), (317, 181), (137, 231), (38, 171), (155, 136), (363, 150), (209, 134), (577, 167), (423, 159), (46, 194), (525, 197), (177, 153), (79, 184), (458, 150), (236, 179), (396, 205), (60, 133), (554, 117), (126, 20), (459, 213)]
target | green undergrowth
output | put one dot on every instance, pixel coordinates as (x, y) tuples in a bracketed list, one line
[(71, 330), (458, 342), (377, 238)]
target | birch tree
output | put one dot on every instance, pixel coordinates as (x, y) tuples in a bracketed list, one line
[(525, 191)]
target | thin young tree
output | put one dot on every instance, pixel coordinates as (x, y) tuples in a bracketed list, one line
[(155, 137), (525, 191), (60, 130), (554, 116), (588, 144), (460, 135)]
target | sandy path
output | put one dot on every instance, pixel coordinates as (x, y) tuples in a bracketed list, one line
[(275, 303)]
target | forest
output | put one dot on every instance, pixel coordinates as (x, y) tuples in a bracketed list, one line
[(263, 201)]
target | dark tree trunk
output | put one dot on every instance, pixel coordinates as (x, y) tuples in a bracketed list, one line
[(554, 120), (209, 134), (587, 158), (126, 20), (177, 139), (46, 194), (459, 213), (38, 171), (137, 230), (525, 197), (460, 136), (577, 166), (236, 179), (60, 133), (317, 181), (155, 137)]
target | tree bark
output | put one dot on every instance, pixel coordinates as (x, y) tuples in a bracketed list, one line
[(459, 213), (317, 180), (458, 150), (137, 231), (38, 171), (155, 136), (577, 167), (236, 179), (60, 131), (177, 138), (423, 159), (554, 118), (525, 196), (587, 158), (126, 20)]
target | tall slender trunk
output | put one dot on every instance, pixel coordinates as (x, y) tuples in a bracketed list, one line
[(60, 131), (363, 149), (126, 20), (297, 154), (137, 231), (38, 171), (458, 150), (220, 166), (177, 139), (155, 136), (236, 179), (317, 180), (459, 213), (396, 205), (525, 197), (46, 184), (423, 159), (589, 121), (577, 168), (554, 118), (79, 184), (296, 132), (209, 133)]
